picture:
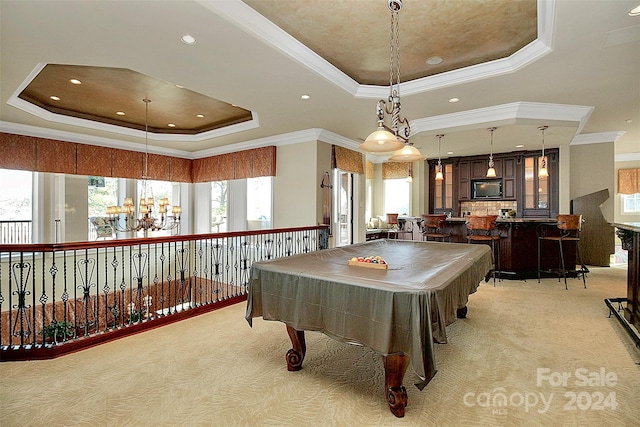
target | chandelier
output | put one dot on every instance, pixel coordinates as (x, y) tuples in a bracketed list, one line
[(387, 139), (147, 219)]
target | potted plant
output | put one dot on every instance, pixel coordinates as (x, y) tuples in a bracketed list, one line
[(56, 329)]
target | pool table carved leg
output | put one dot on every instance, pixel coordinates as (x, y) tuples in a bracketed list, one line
[(295, 356), (395, 365)]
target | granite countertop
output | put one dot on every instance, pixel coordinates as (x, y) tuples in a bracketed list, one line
[(509, 220), (631, 226)]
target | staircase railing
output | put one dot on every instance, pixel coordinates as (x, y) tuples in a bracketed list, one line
[(58, 298)]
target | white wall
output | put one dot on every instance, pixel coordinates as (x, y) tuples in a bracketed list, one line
[(592, 169), (296, 185)]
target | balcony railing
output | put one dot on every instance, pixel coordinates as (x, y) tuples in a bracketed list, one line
[(58, 298), (15, 231)]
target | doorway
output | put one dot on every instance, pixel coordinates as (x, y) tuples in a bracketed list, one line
[(343, 196)]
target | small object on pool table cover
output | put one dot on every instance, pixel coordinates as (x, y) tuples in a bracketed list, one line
[(369, 262)]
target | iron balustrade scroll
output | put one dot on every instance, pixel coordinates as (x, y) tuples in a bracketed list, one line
[(57, 295)]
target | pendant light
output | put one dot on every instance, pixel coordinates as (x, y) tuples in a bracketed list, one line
[(439, 176), (542, 172), (387, 139), (491, 172)]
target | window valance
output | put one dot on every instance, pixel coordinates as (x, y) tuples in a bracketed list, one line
[(395, 170), (629, 181), (22, 152), (347, 160), (369, 170)]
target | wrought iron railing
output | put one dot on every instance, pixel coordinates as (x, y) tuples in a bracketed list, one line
[(15, 231), (87, 292)]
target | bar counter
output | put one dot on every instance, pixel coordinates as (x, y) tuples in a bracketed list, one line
[(629, 234), (519, 245)]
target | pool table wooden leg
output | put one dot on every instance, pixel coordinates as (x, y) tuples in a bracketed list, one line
[(295, 356), (395, 365)]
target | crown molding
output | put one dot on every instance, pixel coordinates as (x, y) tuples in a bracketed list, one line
[(596, 138), (627, 157), (512, 113)]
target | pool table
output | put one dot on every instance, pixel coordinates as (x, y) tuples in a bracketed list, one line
[(399, 311)]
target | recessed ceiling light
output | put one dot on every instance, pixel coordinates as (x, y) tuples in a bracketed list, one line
[(305, 97), (449, 152), (55, 98), (188, 39), (171, 125), (452, 100), (75, 81), (434, 60), (179, 86), (628, 121), (635, 11), (120, 113), (519, 146), (200, 116)]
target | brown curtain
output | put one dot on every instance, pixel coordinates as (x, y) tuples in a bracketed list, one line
[(629, 181), (395, 170), (47, 155), (347, 160)]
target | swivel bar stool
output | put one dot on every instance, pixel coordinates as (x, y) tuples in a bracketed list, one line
[(398, 227), (569, 227), (434, 227), (482, 229)]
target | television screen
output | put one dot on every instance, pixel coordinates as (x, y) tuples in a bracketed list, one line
[(487, 189)]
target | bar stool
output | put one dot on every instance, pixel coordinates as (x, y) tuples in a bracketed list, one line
[(392, 220), (482, 229), (569, 227), (434, 227), (405, 226)]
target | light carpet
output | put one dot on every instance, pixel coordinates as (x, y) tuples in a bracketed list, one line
[(544, 349)]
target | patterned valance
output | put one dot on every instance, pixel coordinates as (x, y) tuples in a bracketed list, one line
[(395, 170), (23, 152), (369, 170), (629, 181), (347, 160)]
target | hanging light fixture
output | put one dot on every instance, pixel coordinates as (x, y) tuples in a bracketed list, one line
[(410, 177), (146, 222), (491, 172), (439, 176), (542, 172), (387, 139)]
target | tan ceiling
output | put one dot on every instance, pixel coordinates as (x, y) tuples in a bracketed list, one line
[(462, 33), (104, 91), (579, 77), (497, 30)]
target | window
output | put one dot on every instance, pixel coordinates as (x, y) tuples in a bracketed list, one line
[(259, 203), (16, 206), (219, 201), (15, 198), (397, 193), (631, 203), (102, 192)]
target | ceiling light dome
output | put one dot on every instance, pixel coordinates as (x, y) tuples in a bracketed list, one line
[(408, 153)]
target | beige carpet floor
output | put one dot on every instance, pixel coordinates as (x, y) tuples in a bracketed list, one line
[(214, 370)]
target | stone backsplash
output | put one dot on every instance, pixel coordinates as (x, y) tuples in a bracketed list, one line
[(487, 207)]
